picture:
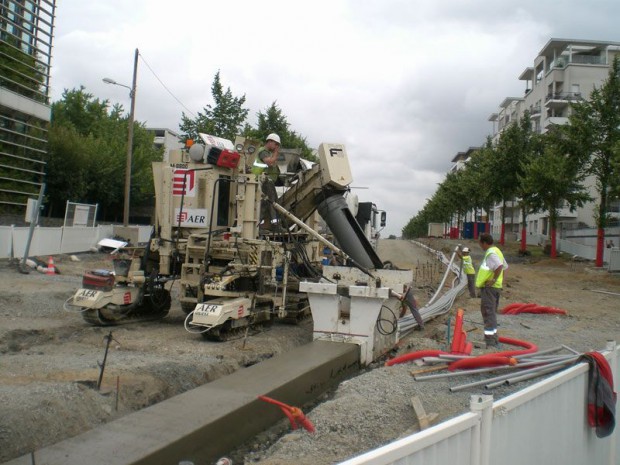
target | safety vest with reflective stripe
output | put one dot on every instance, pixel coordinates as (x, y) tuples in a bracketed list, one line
[(259, 167), (468, 265), (485, 273)]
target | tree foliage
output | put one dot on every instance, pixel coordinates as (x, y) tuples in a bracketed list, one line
[(554, 179), (274, 120), (227, 118), (594, 135), (222, 119), (87, 155)]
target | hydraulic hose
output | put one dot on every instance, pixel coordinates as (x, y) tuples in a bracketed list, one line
[(487, 360), (518, 308)]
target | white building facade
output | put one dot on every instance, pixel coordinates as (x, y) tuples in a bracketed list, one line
[(564, 72)]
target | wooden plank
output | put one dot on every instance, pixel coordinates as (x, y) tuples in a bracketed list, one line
[(424, 419)]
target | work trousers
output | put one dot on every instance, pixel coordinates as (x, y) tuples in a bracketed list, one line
[(413, 307), (489, 303), (471, 284), (268, 214)]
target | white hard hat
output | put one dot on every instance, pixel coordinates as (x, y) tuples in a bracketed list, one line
[(465, 249), (274, 137)]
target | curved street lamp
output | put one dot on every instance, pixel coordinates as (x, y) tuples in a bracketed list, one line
[(132, 96)]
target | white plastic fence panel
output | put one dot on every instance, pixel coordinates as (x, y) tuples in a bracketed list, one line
[(6, 241), (614, 259), (535, 239), (447, 443), (45, 241), (544, 423), (572, 248), (556, 407), (144, 234), (105, 231), (78, 239)]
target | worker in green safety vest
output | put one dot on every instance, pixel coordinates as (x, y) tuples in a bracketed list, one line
[(267, 158), (266, 162), (489, 280), (468, 269)]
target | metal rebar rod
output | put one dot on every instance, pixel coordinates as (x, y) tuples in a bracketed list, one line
[(527, 376), (480, 370), (510, 375), (541, 352), (570, 349), (105, 356)]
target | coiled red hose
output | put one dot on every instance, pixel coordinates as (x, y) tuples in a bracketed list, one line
[(519, 307)]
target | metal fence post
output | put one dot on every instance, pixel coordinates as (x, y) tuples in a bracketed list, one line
[(481, 447)]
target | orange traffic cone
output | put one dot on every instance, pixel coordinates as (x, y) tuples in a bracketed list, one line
[(51, 269)]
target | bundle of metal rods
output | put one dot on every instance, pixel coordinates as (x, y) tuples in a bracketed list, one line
[(528, 366)]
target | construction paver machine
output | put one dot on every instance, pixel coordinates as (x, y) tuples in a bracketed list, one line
[(237, 272)]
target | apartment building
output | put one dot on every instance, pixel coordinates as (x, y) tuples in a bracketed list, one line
[(26, 33), (564, 71), (166, 138)]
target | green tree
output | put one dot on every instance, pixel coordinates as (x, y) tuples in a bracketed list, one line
[(87, 155), (274, 120), (224, 118), (511, 153), (555, 180), (478, 170), (594, 133)]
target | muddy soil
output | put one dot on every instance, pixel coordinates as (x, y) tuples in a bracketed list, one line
[(49, 358)]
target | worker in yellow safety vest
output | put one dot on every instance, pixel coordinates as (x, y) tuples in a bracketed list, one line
[(468, 269), (266, 162), (267, 158), (489, 280)]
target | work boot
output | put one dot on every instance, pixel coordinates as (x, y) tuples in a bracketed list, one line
[(491, 341)]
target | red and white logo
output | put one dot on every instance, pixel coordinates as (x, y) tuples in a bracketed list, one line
[(179, 177), (240, 311)]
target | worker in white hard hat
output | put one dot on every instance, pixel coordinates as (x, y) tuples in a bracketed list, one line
[(266, 162), (267, 158), (468, 269)]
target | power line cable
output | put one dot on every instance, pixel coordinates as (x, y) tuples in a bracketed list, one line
[(165, 87)]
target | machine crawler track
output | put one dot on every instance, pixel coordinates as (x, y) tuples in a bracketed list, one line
[(119, 315)]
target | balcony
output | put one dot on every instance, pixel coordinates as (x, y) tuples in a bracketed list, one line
[(557, 120), (564, 96), (589, 59), (535, 111)]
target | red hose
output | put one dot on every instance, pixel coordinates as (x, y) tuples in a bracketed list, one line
[(528, 346), (414, 356), (509, 307), (483, 361), (517, 308), (468, 348), (497, 358)]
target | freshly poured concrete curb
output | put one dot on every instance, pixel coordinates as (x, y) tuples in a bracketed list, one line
[(206, 422)]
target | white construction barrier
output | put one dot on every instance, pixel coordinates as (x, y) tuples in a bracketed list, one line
[(543, 423)]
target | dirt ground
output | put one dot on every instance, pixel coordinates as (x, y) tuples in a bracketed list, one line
[(49, 358)]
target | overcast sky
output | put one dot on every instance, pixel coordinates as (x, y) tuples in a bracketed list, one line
[(404, 84)]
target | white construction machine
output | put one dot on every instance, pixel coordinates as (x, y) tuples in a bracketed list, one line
[(232, 273)]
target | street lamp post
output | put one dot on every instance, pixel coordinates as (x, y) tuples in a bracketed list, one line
[(132, 95)]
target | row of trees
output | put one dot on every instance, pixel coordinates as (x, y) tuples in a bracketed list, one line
[(540, 172), (88, 146)]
